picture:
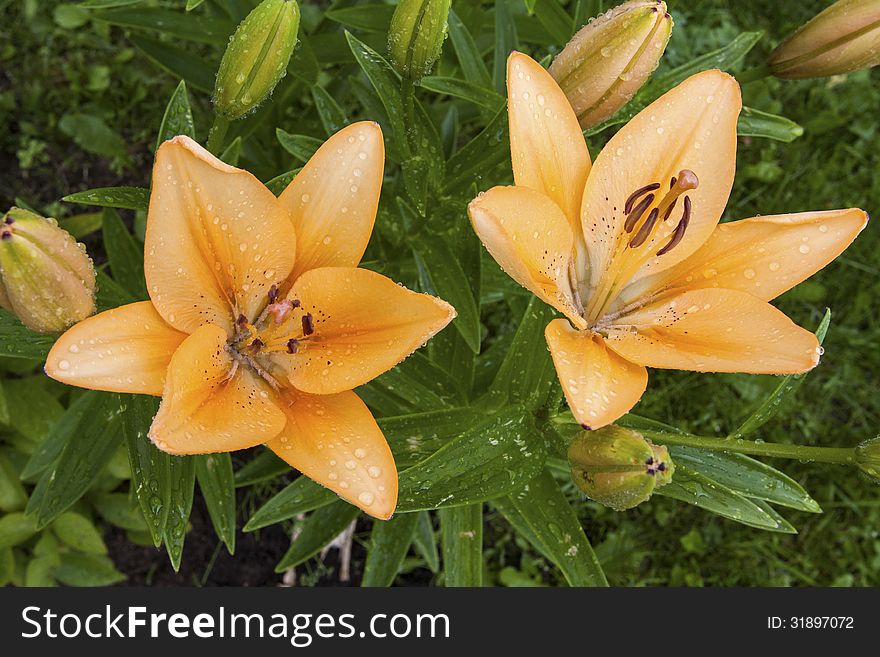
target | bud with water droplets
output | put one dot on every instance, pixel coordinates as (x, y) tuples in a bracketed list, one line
[(416, 34), (618, 467), (868, 458), (843, 38), (46, 278), (256, 57), (611, 57)]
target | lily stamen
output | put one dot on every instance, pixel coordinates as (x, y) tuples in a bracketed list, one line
[(633, 217), (678, 233), (637, 194)]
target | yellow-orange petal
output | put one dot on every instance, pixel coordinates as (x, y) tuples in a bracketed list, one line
[(334, 440), (364, 324), (529, 237), (692, 126), (211, 403), (333, 199), (126, 349), (547, 147), (764, 256), (599, 385), (714, 330), (217, 239)]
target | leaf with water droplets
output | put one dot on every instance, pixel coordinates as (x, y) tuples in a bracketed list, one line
[(128, 198), (178, 119), (189, 27), (150, 467), (182, 479), (50, 447), (214, 473), (461, 531), (332, 116), (783, 391), (389, 543), (125, 254), (301, 147), (18, 341), (177, 61), (479, 158), (484, 98), (301, 496), (318, 530), (469, 57), (264, 466), (555, 530)]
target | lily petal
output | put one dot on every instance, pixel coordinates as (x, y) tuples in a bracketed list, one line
[(334, 440), (363, 325), (530, 238), (209, 404), (693, 127), (333, 199), (216, 239), (714, 330), (764, 256), (126, 349), (547, 147), (600, 386)]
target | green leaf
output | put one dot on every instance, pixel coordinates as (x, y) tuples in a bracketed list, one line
[(755, 123), (505, 42), (39, 571), (468, 91), (415, 436), (192, 4), (300, 146), (178, 62), (18, 341), (120, 510), (479, 464), (182, 479), (279, 183), (178, 118), (262, 467), (527, 374), (462, 540), (61, 432), (13, 496), (554, 19), (107, 4), (690, 486), (90, 570), (299, 497), (25, 395), (86, 452), (389, 543), (16, 528), (747, 476), (475, 162), (420, 384), (321, 527), (332, 116), (93, 135), (232, 153), (785, 390), (128, 198), (425, 542), (214, 472), (83, 224), (469, 58), (126, 256), (150, 467), (111, 294), (555, 525), (77, 531), (189, 27), (372, 17), (7, 566)]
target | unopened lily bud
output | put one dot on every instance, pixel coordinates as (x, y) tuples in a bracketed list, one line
[(868, 458), (256, 57), (611, 57), (843, 38), (46, 278), (415, 38), (618, 467)]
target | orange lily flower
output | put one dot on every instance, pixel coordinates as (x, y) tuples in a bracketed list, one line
[(259, 323), (630, 249)]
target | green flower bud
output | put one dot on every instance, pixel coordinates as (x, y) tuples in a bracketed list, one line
[(46, 278), (868, 458), (618, 467), (611, 57), (415, 38), (256, 57), (843, 38)]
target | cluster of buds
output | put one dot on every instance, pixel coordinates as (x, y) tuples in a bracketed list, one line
[(256, 58), (618, 467), (46, 278), (843, 38), (611, 57), (416, 34)]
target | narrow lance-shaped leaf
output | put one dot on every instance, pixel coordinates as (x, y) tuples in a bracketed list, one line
[(389, 543), (425, 542), (150, 467), (299, 497), (178, 119), (318, 530), (462, 540), (182, 479), (755, 123), (50, 447), (216, 481), (177, 61), (127, 198), (469, 58), (18, 341), (332, 116), (126, 256)]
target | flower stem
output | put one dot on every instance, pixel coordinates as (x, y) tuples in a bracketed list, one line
[(841, 455), (754, 74), (217, 134)]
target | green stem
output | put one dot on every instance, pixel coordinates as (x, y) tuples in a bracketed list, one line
[(754, 74), (841, 455), (217, 134)]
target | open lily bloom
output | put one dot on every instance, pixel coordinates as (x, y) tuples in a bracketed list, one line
[(630, 249), (259, 323)]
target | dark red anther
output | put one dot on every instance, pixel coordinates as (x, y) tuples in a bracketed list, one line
[(308, 324)]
